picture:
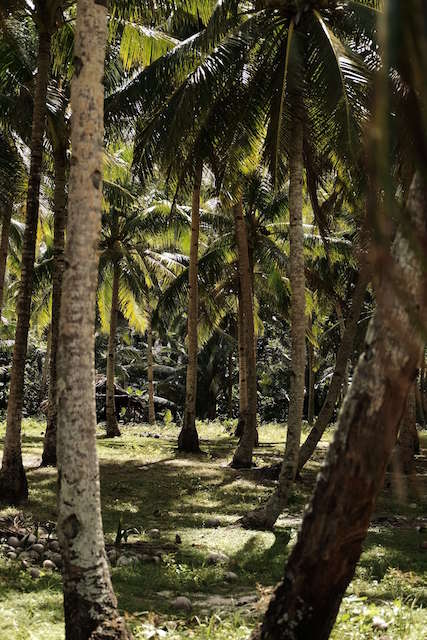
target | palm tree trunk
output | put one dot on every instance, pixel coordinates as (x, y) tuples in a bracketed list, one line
[(45, 370), (243, 386), (243, 455), (323, 561), (112, 426), (311, 379), (265, 516), (188, 439), (13, 482), (90, 606), (60, 218), (408, 444), (4, 250), (344, 352), (230, 385), (150, 376)]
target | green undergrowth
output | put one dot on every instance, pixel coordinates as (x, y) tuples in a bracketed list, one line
[(146, 484)]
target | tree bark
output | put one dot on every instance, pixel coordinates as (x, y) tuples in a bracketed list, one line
[(150, 376), (267, 514), (344, 353), (90, 605), (188, 439), (243, 455), (323, 561), (13, 482), (408, 444), (4, 250), (243, 386), (311, 380), (230, 384), (60, 217), (112, 426), (45, 370)]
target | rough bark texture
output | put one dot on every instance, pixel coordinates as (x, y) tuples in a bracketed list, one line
[(243, 455), (150, 376), (311, 380), (60, 217), (243, 387), (335, 523), (45, 370), (89, 603), (408, 444), (188, 439), (267, 514), (112, 426), (4, 250), (344, 353), (13, 482)]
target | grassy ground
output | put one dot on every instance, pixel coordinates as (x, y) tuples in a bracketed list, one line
[(146, 484)]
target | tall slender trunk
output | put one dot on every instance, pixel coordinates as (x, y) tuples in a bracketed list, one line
[(90, 605), (265, 516), (45, 370), (188, 439), (150, 376), (243, 455), (343, 355), (4, 250), (243, 370), (112, 426), (323, 561), (13, 482), (344, 384), (59, 223), (230, 384), (419, 403), (311, 379), (408, 444)]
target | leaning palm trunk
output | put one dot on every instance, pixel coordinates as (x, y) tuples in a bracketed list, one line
[(188, 439), (13, 482), (60, 216), (243, 386), (267, 514), (112, 426), (150, 376), (323, 561), (243, 455), (90, 605), (343, 355), (4, 250)]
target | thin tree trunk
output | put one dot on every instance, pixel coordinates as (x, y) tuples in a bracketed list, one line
[(230, 385), (45, 370), (323, 561), (13, 482), (150, 376), (344, 384), (267, 514), (243, 386), (419, 402), (112, 426), (311, 379), (4, 250), (60, 217), (188, 439), (243, 455), (90, 605), (344, 352), (408, 444)]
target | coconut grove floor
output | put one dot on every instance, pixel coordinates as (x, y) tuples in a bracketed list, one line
[(146, 484)]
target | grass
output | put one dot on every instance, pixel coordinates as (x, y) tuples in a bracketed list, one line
[(146, 484)]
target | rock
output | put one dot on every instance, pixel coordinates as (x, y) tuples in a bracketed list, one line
[(48, 564), (33, 554), (56, 558), (124, 561), (25, 564), (38, 547), (182, 604), (54, 545), (145, 558), (217, 558), (12, 555), (213, 523), (31, 539), (13, 542), (153, 533), (35, 573), (379, 623), (230, 576), (178, 539)]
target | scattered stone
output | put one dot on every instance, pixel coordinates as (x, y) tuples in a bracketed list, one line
[(25, 564), (56, 558), (178, 539), (217, 558), (153, 533), (379, 623), (33, 554), (12, 555), (182, 603), (31, 539), (124, 561), (230, 576), (35, 573), (48, 564), (54, 545), (13, 542), (38, 547), (213, 523)]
